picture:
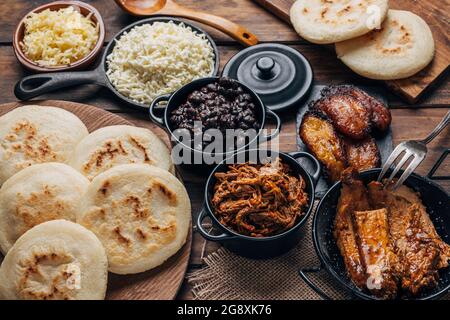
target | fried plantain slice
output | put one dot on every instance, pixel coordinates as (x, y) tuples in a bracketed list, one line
[(318, 134), (349, 116), (362, 154), (379, 114)]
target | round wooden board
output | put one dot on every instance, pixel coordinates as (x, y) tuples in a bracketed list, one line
[(161, 283)]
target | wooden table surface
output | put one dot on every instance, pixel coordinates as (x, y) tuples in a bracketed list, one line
[(409, 121)]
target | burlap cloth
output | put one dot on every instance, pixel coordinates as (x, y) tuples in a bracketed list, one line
[(227, 276)]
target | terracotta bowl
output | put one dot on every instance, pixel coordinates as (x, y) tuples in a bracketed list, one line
[(83, 63)]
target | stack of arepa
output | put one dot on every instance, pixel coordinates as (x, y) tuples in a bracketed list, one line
[(74, 205), (371, 39)]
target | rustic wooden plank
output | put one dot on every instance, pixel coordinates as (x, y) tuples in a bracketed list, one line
[(436, 15), (265, 26), (327, 70), (408, 123)]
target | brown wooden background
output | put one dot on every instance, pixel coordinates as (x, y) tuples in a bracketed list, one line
[(409, 121)]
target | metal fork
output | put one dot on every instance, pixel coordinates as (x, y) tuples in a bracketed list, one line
[(417, 150)]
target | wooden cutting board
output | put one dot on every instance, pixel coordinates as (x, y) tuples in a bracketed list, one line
[(161, 283), (435, 13)]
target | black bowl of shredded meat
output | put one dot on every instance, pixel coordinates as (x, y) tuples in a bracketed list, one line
[(259, 200)]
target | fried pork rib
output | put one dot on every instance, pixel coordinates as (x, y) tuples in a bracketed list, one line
[(319, 136), (362, 155), (376, 253), (419, 248), (353, 198), (386, 238), (259, 200)]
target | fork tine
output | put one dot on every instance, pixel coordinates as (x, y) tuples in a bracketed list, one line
[(394, 155), (412, 166), (406, 156)]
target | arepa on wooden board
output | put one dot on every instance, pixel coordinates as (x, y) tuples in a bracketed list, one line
[(140, 213), (37, 134), (56, 260), (40, 193), (115, 145), (330, 21), (402, 47)]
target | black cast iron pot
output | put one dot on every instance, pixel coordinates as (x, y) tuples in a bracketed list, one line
[(437, 202), (266, 247), (172, 101)]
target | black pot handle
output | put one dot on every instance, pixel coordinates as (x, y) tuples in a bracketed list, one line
[(158, 120), (318, 168), (222, 237), (273, 115), (303, 274), (436, 166), (39, 84)]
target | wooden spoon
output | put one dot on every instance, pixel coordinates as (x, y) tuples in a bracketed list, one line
[(170, 8)]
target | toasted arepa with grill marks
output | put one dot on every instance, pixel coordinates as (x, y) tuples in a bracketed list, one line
[(40, 193), (140, 213), (37, 134), (330, 21), (56, 260), (116, 145), (402, 47)]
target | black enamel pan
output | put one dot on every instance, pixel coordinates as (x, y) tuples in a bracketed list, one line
[(39, 84), (434, 197)]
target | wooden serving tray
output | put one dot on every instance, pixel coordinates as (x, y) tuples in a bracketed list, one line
[(435, 13), (161, 283)]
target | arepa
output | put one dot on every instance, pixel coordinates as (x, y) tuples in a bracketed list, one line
[(56, 260), (40, 193), (402, 47), (140, 213), (116, 145), (37, 134), (331, 21)]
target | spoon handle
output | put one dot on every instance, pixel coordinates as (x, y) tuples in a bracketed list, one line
[(228, 27)]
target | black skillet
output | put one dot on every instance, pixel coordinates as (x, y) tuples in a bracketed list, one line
[(434, 197), (39, 84)]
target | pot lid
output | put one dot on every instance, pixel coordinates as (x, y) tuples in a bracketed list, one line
[(280, 75)]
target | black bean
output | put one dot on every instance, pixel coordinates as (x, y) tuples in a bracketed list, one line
[(221, 105)]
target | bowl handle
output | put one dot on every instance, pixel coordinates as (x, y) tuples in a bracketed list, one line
[(158, 120), (273, 115), (224, 236), (436, 166), (318, 168), (39, 84), (303, 274)]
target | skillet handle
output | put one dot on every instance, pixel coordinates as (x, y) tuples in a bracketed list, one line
[(303, 274), (436, 166), (152, 112), (39, 84), (273, 115), (317, 167), (224, 236)]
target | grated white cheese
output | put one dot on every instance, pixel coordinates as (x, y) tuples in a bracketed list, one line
[(62, 37), (159, 58)]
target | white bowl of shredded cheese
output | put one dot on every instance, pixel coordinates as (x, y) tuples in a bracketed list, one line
[(62, 35), (159, 56)]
